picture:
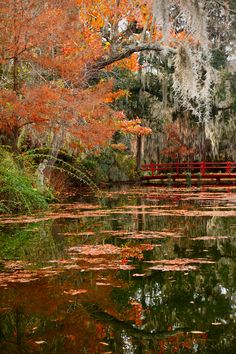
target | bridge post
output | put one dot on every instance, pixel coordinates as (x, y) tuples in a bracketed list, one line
[(203, 167), (228, 167), (177, 168), (152, 168)]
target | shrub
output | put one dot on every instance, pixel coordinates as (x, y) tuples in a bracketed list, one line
[(18, 190)]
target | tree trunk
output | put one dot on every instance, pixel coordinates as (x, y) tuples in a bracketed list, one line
[(139, 151)]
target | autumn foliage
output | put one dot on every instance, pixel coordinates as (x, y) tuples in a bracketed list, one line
[(179, 144), (48, 53), (56, 58)]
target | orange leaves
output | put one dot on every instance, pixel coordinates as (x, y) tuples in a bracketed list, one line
[(60, 41), (119, 147), (81, 116), (11, 111), (24, 27), (134, 127), (52, 107), (98, 121), (98, 13), (112, 96), (130, 63)]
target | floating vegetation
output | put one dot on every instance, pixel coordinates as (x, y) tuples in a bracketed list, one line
[(87, 270)]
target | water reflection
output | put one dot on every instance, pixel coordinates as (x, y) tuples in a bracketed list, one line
[(152, 271)]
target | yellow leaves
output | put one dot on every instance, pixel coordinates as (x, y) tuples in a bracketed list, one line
[(107, 45)]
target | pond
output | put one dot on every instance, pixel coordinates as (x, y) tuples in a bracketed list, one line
[(150, 270)]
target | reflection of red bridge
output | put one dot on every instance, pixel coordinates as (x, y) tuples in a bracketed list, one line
[(189, 170)]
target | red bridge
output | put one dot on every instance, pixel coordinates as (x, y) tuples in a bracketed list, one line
[(190, 170)]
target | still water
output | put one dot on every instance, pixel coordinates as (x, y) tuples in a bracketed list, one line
[(150, 270)]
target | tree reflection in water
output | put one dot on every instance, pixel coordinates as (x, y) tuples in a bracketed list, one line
[(54, 300)]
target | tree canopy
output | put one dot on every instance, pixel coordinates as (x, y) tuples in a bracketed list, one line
[(57, 59)]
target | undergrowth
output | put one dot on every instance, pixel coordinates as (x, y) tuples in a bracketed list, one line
[(24, 189), (18, 190), (110, 166), (76, 173)]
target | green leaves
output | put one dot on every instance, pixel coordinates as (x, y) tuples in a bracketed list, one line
[(17, 192)]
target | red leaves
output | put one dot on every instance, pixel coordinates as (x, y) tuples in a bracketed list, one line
[(135, 314), (178, 141)]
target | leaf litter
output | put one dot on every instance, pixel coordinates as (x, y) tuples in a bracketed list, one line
[(179, 264), (107, 256), (82, 258), (210, 238)]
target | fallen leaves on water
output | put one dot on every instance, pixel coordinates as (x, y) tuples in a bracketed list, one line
[(76, 206), (149, 235), (25, 276), (95, 250), (83, 258), (180, 264), (206, 238), (197, 332), (73, 214), (196, 213), (15, 265), (109, 265), (85, 233), (75, 211), (74, 292), (173, 268), (116, 232), (183, 261), (108, 249)]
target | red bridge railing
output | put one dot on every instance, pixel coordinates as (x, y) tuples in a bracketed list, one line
[(206, 169)]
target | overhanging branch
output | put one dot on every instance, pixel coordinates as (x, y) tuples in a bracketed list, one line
[(125, 53)]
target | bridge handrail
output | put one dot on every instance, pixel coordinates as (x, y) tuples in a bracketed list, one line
[(180, 167)]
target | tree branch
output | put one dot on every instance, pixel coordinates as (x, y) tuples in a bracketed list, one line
[(125, 53)]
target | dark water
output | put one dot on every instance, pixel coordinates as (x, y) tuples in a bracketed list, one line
[(150, 271)]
